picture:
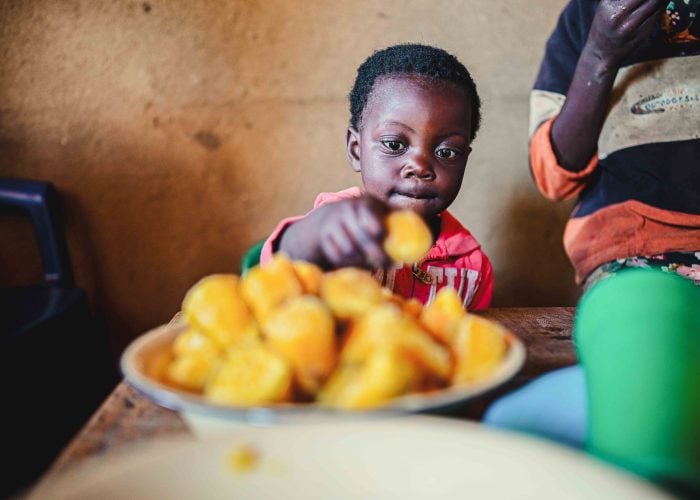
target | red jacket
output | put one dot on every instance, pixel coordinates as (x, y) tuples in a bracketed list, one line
[(455, 260)]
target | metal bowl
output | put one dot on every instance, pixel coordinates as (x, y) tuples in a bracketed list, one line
[(143, 352)]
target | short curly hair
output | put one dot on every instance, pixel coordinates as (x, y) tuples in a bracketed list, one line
[(423, 60)]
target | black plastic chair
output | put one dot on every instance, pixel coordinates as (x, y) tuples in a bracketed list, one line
[(56, 366)]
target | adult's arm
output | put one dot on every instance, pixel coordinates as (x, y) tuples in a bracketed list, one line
[(619, 27)]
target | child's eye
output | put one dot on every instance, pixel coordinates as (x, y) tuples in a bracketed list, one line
[(394, 146), (447, 153)]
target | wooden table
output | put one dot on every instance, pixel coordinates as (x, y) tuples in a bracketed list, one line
[(127, 416)]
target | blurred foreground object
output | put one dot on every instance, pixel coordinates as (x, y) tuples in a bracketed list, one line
[(414, 457), (638, 337)]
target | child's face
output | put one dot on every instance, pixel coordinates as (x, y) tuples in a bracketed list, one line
[(413, 143)]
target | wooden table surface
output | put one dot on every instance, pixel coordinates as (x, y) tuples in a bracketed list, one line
[(127, 416)]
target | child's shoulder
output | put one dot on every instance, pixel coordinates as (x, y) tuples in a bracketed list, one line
[(332, 197), (454, 238)]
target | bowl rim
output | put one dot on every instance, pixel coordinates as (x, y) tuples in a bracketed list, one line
[(181, 400)]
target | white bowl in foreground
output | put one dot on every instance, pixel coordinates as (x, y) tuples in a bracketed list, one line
[(405, 457)]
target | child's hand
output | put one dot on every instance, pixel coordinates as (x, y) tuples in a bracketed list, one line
[(341, 234), (620, 26), (351, 233)]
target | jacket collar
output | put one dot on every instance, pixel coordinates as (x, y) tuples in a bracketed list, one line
[(454, 239)]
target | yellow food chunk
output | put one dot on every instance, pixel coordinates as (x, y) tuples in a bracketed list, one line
[(442, 316), (156, 366), (302, 330), (215, 307), (385, 327), (249, 376), (349, 292), (243, 459), (374, 382), (192, 371), (195, 355), (191, 342), (412, 307), (310, 276), (266, 287), (408, 237), (479, 346)]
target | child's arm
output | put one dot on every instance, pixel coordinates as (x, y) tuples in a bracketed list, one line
[(618, 28), (345, 233)]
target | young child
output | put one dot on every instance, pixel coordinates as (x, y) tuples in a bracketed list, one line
[(414, 113)]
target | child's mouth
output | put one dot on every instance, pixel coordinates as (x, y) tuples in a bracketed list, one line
[(413, 196), (414, 201)]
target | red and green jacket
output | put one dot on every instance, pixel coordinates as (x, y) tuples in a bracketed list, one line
[(455, 260)]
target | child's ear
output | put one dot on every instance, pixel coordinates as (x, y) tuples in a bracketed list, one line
[(352, 148)]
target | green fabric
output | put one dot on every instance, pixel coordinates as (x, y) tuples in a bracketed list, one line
[(252, 257), (638, 338)]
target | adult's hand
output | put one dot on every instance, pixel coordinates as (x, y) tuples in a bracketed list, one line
[(618, 28)]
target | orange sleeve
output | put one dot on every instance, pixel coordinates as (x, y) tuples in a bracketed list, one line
[(554, 181)]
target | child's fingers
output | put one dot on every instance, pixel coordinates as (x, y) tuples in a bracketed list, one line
[(334, 254), (369, 221), (338, 247), (352, 232), (367, 243), (333, 246)]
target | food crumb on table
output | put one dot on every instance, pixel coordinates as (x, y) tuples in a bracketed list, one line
[(242, 458)]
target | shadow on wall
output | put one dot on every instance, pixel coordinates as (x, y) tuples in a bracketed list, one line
[(532, 267)]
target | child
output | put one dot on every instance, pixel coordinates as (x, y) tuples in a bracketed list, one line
[(414, 113)]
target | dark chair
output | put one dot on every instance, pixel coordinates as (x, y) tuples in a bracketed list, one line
[(56, 366)]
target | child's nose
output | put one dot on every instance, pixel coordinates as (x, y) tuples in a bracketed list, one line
[(419, 165)]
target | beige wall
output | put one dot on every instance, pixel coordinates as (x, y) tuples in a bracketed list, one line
[(180, 132)]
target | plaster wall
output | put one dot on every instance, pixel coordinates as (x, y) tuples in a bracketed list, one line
[(178, 133)]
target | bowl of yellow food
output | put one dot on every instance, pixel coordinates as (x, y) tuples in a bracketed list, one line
[(289, 341)]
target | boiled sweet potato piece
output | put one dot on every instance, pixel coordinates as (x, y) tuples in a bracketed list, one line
[(479, 346), (215, 307), (408, 237), (384, 375), (302, 330), (349, 292), (266, 287), (250, 376), (442, 316)]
